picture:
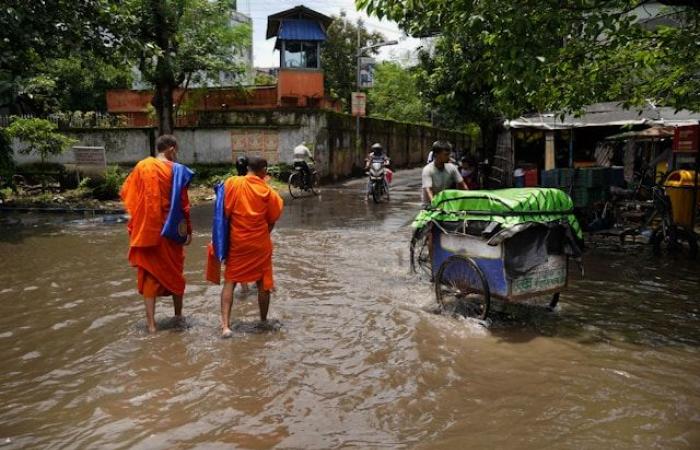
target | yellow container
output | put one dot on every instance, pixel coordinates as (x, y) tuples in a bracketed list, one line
[(679, 188)]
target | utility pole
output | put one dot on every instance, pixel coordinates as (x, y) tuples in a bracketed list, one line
[(358, 81), (359, 54)]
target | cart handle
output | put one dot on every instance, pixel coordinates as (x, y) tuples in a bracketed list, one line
[(505, 213)]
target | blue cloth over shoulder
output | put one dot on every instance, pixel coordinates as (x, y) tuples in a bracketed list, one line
[(175, 226), (220, 225)]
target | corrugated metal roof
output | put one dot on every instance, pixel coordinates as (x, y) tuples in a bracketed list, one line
[(606, 114), (301, 30)]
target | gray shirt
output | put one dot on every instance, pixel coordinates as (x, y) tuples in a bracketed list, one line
[(439, 180)]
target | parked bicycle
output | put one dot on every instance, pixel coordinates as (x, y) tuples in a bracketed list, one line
[(655, 219)]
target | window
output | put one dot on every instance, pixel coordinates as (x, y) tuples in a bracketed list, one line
[(301, 54)]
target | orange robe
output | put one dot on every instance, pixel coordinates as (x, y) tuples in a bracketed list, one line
[(160, 261), (252, 207)]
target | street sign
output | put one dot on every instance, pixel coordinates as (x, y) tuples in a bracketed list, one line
[(359, 102), (366, 72), (686, 139)]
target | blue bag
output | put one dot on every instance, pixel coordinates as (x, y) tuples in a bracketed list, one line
[(220, 225), (175, 226)]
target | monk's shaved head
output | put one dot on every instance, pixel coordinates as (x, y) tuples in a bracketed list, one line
[(257, 165), (165, 142)]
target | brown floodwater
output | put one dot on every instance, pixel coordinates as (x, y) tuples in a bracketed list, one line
[(357, 357)]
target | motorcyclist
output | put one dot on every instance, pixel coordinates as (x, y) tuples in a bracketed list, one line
[(376, 155), (304, 159)]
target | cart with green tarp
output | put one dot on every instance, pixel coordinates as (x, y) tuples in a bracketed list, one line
[(512, 245)]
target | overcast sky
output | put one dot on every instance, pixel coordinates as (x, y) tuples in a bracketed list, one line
[(263, 50)]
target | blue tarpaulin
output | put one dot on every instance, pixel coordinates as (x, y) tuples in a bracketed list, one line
[(301, 30)]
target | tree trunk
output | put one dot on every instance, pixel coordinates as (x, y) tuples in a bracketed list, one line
[(163, 104)]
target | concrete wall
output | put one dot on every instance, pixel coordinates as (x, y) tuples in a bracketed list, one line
[(222, 136)]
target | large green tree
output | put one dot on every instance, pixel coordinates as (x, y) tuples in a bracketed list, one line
[(395, 94), (536, 55), (179, 39), (339, 56), (74, 83), (35, 32)]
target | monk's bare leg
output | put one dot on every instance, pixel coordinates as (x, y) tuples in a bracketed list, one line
[(177, 307), (263, 301), (226, 304), (150, 303)]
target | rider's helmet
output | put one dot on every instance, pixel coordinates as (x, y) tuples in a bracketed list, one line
[(377, 148)]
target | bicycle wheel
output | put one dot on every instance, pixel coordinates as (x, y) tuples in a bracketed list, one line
[(420, 253), (460, 286), (295, 183), (315, 183), (677, 240)]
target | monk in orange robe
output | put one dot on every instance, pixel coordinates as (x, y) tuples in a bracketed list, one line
[(146, 193), (252, 207)]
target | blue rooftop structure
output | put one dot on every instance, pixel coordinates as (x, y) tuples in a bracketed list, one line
[(299, 32)]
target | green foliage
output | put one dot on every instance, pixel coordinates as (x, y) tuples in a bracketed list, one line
[(35, 33), (180, 40), (74, 83), (339, 56), (263, 79), (503, 58), (7, 163), (40, 136), (106, 187), (395, 95)]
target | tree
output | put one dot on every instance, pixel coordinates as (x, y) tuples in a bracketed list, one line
[(558, 55), (33, 32), (181, 39), (40, 136), (339, 56), (73, 83), (395, 94)]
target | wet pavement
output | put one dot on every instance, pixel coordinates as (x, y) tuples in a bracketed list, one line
[(355, 358)]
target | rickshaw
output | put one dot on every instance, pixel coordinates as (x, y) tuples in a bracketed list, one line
[(509, 245)]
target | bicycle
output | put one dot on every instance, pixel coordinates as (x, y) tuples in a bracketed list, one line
[(300, 183), (656, 216)]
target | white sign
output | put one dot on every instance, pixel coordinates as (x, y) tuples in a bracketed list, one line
[(90, 156), (359, 102)]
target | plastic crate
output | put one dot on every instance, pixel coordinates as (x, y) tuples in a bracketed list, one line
[(585, 196), (531, 178), (550, 178), (566, 176), (590, 177)]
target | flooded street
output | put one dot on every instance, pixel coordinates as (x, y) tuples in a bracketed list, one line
[(357, 360)]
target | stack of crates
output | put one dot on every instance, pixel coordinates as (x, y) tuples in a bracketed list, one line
[(566, 177), (590, 185), (550, 178)]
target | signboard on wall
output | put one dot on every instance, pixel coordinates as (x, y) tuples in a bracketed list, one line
[(686, 139), (253, 141), (359, 103), (366, 72), (90, 157)]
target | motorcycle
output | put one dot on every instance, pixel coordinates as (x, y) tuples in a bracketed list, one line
[(378, 180)]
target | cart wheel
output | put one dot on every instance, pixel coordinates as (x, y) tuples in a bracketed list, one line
[(460, 285), (554, 301), (420, 252)]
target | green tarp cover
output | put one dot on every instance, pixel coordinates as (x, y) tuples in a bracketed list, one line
[(506, 206)]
